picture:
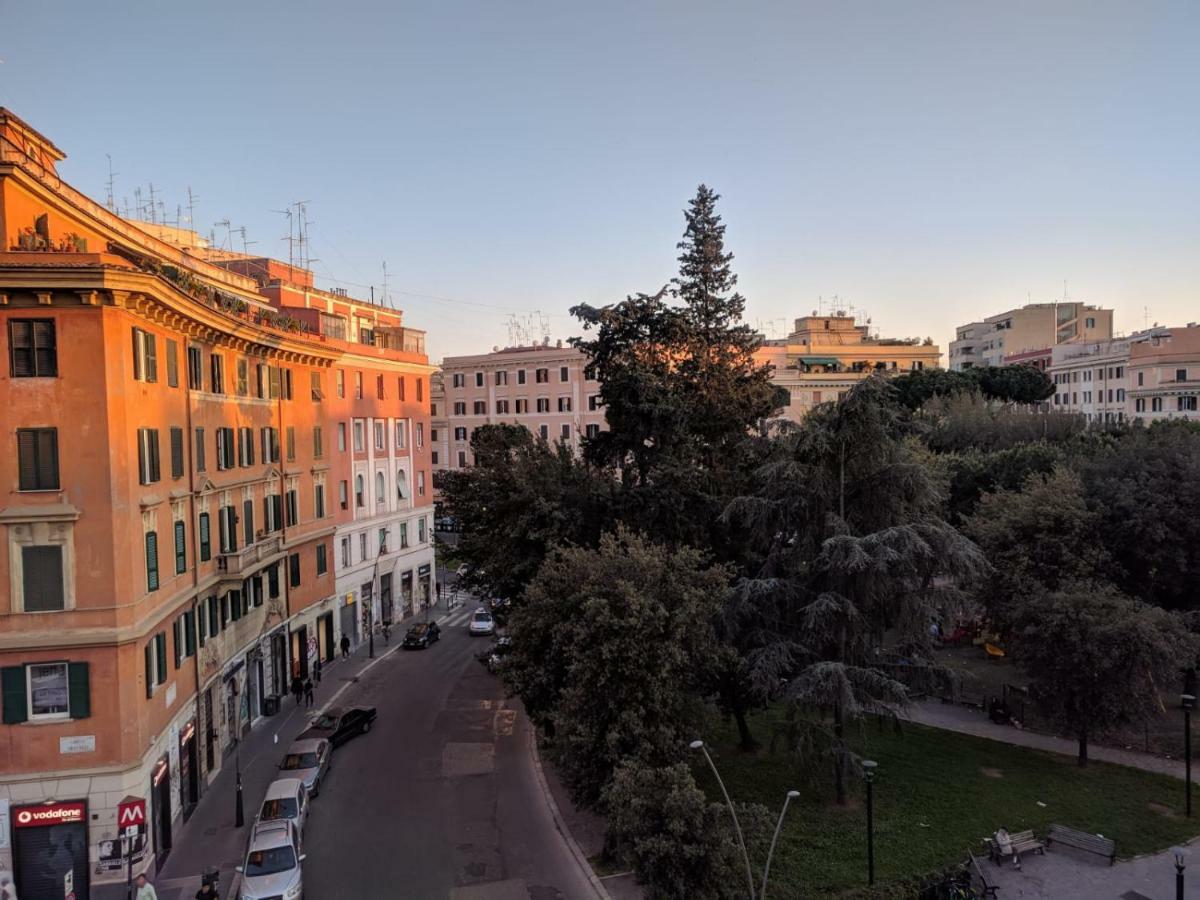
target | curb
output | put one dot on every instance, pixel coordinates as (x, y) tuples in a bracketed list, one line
[(559, 823)]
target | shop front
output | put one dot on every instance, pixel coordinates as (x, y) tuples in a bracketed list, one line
[(385, 597), (50, 849), (300, 652), (325, 630), (160, 810), (346, 617), (425, 584), (189, 768), (406, 593)]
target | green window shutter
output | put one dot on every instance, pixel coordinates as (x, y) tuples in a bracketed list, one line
[(177, 636), (79, 689), (189, 633), (180, 549), (151, 561), (172, 363), (12, 689), (150, 669), (160, 647), (205, 539), (176, 452), (201, 615)]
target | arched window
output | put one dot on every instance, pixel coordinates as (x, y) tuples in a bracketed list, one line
[(359, 489), (401, 484), (380, 496)]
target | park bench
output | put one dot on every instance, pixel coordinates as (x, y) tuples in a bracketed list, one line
[(986, 889), (1022, 842), (1081, 840)]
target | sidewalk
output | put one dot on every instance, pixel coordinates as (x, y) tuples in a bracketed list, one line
[(968, 721), (209, 837)]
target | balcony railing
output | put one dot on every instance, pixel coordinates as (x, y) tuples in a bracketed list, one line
[(239, 562)]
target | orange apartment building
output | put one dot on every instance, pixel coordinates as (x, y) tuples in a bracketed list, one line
[(171, 508)]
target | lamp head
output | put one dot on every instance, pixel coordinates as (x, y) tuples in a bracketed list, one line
[(1180, 854), (1187, 701), (696, 745), (869, 766), (792, 795)]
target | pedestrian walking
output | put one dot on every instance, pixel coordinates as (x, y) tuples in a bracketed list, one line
[(145, 890), (8, 890), (345, 646), (308, 693), (317, 670), (297, 688)]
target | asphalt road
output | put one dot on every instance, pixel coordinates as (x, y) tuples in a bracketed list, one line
[(441, 798)]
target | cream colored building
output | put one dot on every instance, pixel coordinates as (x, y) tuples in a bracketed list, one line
[(825, 356), (1032, 327), (542, 387)]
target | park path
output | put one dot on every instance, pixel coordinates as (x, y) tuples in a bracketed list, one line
[(963, 719)]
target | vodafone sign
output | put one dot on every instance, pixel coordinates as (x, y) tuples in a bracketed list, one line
[(49, 814)]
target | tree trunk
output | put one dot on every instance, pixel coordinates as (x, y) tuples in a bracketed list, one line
[(1083, 742), (747, 742), (839, 759)]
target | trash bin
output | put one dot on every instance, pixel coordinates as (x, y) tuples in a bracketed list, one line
[(270, 704)]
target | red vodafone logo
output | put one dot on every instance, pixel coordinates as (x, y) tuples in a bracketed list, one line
[(49, 814)]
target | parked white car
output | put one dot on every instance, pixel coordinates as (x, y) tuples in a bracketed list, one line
[(286, 799), (482, 623), (273, 863), (308, 761)]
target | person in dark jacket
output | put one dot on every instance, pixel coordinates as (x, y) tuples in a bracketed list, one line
[(345, 646), (308, 693), (297, 688)]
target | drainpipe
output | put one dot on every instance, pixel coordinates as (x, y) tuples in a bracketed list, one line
[(189, 441)]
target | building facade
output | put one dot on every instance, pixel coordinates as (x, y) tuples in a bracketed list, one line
[(825, 356), (544, 388), (1034, 327), (169, 514)]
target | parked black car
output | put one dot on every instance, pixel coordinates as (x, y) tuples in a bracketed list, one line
[(338, 725), (422, 635)]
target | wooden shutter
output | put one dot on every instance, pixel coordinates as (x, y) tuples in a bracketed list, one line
[(151, 561), (176, 452), (189, 633), (205, 538), (180, 549), (42, 573), (137, 354), (200, 464), (27, 458), (177, 641), (155, 472), (248, 521), (277, 508), (172, 363), (291, 443), (201, 619), (160, 648), (12, 694), (294, 567), (143, 461), (151, 358), (150, 669)]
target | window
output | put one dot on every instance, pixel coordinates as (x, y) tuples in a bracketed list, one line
[(1089, 322), (322, 560), (205, 538), (151, 560), (293, 508), (37, 459), (522, 406), (358, 436), (272, 512), (421, 535), (48, 687), (460, 434), (217, 364), (148, 471), (319, 500), (180, 549), (1140, 378), (343, 491), (401, 485), (543, 404), (460, 408), (420, 484), (195, 368), (400, 387), (294, 570), (383, 536), (501, 379), (341, 383), (459, 380), (362, 545), (380, 436), (480, 407), (42, 578), (593, 430), (225, 448), (1139, 405), (176, 453), (248, 521), (544, 431), (433, 435), (315, 389), (566, 432), (401, 434), (358, 385), (145, 356), (478, 379), (1156, 404), (318, 443), (290, 437), (564, 404), (345, 552), (270, 444), (156, 662), (520, 376), (1185, 404), (379, 488), (420, 382), (243, 376), (246, 447), (462, 459), (501, 408), (563, 374), (226, 528), (420, 435), (32, 348), (342, 437), (403, 535), (542, 376), (434, 457), (1181, 374), (593, 402), (379, 387), (360, 499)]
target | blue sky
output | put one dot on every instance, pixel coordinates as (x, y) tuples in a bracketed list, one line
[(928, 162)]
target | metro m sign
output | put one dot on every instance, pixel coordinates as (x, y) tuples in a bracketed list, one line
[(131, 811)]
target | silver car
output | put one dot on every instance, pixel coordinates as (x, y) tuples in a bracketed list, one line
[(309, 761), (287, 800), (482, 623), (272, 868)]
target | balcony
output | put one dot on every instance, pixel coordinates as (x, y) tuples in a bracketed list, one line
[(242, 562)]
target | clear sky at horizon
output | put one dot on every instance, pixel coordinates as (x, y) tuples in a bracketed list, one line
[(931, 162)]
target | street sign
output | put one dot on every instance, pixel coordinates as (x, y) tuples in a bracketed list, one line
[(131, 811)]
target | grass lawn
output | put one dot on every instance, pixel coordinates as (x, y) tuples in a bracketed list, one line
[(936, 794)]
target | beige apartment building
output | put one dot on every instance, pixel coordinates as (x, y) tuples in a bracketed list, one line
[(543, 387), (1005, 337), (825, 356), (1150, 375)]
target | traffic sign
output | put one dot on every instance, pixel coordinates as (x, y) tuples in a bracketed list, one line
[(131, 811)]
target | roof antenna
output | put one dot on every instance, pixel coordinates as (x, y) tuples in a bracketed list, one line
[(191, 204), (111, 202), (385, 301)]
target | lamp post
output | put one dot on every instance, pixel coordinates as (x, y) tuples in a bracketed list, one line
[(791, 795), (699, 745), (1188, 702), (1179, 867), (869, 773), (239, 816)]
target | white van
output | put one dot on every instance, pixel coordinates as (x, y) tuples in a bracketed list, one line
[(286, 799)]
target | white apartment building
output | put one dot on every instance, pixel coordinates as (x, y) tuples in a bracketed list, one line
[(1016, 332)]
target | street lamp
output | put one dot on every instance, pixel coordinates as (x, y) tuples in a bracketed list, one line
[(239, 816), (869, 773), (791, 795), (1188, 702), (699, 745), (1179, 867)]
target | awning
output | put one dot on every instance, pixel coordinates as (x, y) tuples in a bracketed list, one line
[(819, 360)]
